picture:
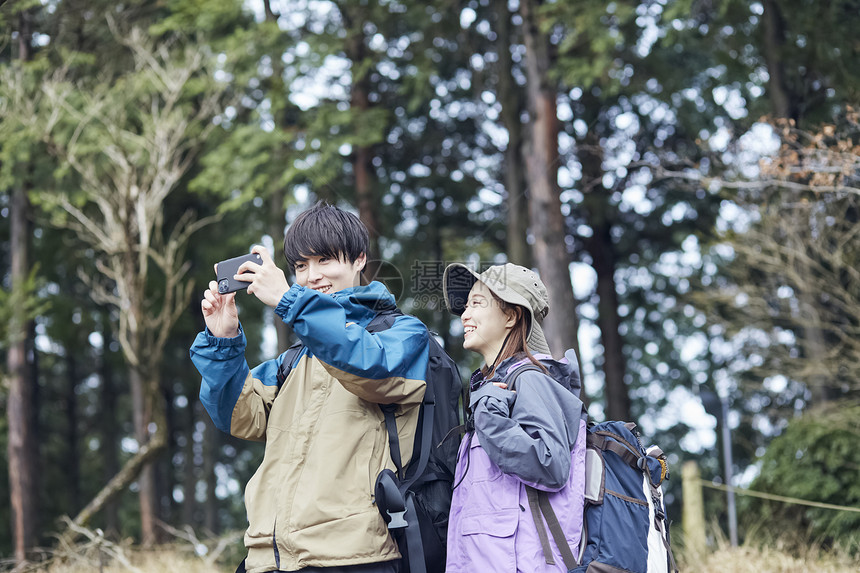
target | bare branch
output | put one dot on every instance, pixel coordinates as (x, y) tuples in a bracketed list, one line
[(97, 540), (122, 479), (757, 184), (208, 550)]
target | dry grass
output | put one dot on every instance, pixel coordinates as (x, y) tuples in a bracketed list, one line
[(783, 557), (101, 556), (153, 561), (132, 560), (82, 550), (724, 559)]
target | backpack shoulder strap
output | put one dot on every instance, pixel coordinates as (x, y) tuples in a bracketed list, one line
[(288, 361), (620, 447), (384, 319), (515, 373), (404, 503), (540, 505)]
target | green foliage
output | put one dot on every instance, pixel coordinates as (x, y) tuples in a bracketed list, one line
[(596, 43), (21, 126), (436, 143), (209, 19), (240, 168), (815, 459), (19, 305)]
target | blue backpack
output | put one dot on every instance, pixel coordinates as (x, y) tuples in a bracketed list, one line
[(625, 529)]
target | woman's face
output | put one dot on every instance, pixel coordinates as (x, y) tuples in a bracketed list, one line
[(485, 324)]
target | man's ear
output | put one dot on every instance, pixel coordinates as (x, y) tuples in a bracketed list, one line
[(360, 262)]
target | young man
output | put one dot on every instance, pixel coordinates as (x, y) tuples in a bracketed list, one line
[(310, 504)]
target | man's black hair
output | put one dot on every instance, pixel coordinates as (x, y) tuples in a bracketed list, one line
[(325, 231)]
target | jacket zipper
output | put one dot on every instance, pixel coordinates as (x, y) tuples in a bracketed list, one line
[(275, 544)]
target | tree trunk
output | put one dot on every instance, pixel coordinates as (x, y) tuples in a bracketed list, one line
[(147, 401), (542, 160), (189, 467), (362, 155), (146, 411), (142, 405), (785, 106), (109, 427), (165, 477), (600, 216), (72, 466), (510, 97), (812, 342), (21, 449), (602, 252), (211, 446), (773, 29), (365, 197), (276, 230), (277, 201), (441, 316), (21, 445)]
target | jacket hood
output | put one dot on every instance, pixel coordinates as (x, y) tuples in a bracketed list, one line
[(565, 370)]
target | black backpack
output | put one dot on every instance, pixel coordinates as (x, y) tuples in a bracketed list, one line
[(416, 500)]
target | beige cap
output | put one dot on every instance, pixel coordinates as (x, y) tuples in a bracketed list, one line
[(511, 283)]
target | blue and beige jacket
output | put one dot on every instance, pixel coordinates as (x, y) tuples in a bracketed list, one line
[(310, 503)]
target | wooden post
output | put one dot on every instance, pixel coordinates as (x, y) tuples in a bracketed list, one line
[(693, 512)]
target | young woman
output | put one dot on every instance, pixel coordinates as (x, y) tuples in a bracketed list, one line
[(525, 444)]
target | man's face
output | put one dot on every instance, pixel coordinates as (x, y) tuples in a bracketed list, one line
[(328, 275)]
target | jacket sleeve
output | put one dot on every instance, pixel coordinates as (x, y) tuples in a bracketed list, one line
[(237, 399), (526, 432), (384, 367)]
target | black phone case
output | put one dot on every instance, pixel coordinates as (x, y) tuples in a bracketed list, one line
[(227, 269)]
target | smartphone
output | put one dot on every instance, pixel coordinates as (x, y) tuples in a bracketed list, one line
[(225, 270)]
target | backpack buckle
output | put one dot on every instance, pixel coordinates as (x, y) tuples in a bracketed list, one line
[(396, 519), (389, 500), (658, 508)]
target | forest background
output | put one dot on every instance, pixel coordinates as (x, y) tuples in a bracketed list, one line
[(684, 175)]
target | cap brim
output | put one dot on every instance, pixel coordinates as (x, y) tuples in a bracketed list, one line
[(458, 281), (456, 284)]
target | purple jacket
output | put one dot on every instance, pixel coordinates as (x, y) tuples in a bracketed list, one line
[(534, 436)]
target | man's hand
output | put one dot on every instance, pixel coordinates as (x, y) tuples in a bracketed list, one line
[(220, 312), (267, 282)]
